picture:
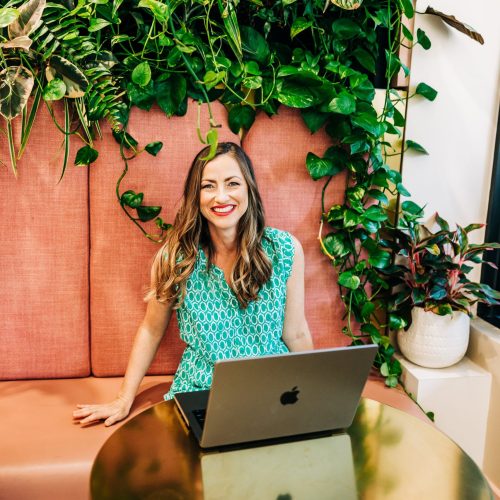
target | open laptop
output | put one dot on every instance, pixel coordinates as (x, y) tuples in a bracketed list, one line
[(269, 397)]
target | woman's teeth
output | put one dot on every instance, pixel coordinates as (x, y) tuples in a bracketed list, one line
[(223, 209)]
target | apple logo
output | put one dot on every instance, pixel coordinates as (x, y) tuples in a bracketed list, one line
[(289, 397)]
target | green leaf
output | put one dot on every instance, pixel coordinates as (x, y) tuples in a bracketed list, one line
[(423, 39), (384, 369), (369, 123), (162, 225), (212, 140), (97, 24), (375, 213), (417, 296), (415, 146), (348, 280), (363, 89), (351, 218), (54, 90), (410, 207), (344, 104), (396, 322), (16, 83), (378, 195), (365, 59), (211, 78), (473, 227), (437, 292), (345, 29), (142, 74), (426, 91), (153, 148), (160, 10), (241, 117), (131, 199), (7, 16), (321, 167), (402, 190), (367, 310), (393, 63), (314, 120), (252, 82), (379, 259), (171, 93), (443, 310), (85, 156), (408, 8), (142, 97), (254, 45), (300, 24), (391, 381), (146, 213), (398, 118), (335, 245), (295, 95), (407, 33)]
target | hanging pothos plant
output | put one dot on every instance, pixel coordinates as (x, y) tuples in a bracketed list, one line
[(101, 57)]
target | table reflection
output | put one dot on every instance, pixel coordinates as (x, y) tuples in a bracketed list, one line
[(320, 468), (386, 454)]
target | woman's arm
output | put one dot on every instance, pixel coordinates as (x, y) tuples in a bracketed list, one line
[(147, 340), (296, 334)]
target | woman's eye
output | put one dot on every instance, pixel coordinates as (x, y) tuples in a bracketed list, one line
[(206, 186), (234, 183)]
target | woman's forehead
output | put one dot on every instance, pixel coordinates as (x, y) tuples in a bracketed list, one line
[(222, 166)]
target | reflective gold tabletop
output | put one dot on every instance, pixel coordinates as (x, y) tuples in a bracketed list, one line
[(386, 454)]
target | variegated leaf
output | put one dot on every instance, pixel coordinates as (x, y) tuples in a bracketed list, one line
[(347, 4), (20, 42), (30, 17), (16, 83), (76, 82)]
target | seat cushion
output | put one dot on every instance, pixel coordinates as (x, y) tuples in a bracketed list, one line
[(45, 455)]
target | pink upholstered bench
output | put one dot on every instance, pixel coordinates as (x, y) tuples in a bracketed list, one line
[(73, 268)]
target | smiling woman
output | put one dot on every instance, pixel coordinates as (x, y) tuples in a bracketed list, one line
[(237, 286)]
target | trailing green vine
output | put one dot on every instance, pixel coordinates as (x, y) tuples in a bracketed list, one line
[(104, 56)]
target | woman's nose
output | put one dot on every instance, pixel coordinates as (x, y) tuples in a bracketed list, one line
[(221, 195)]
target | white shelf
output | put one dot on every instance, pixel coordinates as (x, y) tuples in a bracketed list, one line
[(459, 397)]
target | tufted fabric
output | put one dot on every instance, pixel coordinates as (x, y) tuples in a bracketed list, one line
[(44, 328)]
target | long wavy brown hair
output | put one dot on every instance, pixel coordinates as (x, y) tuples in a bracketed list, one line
[(175, 261)]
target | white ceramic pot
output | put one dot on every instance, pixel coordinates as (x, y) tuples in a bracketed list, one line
[(435, 341)]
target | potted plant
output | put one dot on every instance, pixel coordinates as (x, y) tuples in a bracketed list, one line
[(432, 296)]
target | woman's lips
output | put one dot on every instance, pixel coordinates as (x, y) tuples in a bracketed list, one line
[(223, 210)]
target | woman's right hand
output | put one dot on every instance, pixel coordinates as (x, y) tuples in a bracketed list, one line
[(111, 412)]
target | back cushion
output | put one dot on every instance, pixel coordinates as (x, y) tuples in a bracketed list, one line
[(43, 259), (278, 147), (120, 255)]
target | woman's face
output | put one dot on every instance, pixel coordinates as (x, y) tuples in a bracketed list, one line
[(223, 193)]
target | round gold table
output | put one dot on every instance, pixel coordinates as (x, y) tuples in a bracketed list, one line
[(386, 454)]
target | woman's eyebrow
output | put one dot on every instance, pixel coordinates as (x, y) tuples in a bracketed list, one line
[(225, 180)]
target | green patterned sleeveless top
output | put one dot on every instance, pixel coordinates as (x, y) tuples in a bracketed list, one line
[(215, 327)]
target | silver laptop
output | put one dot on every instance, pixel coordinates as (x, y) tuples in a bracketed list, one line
[(293, 394)]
